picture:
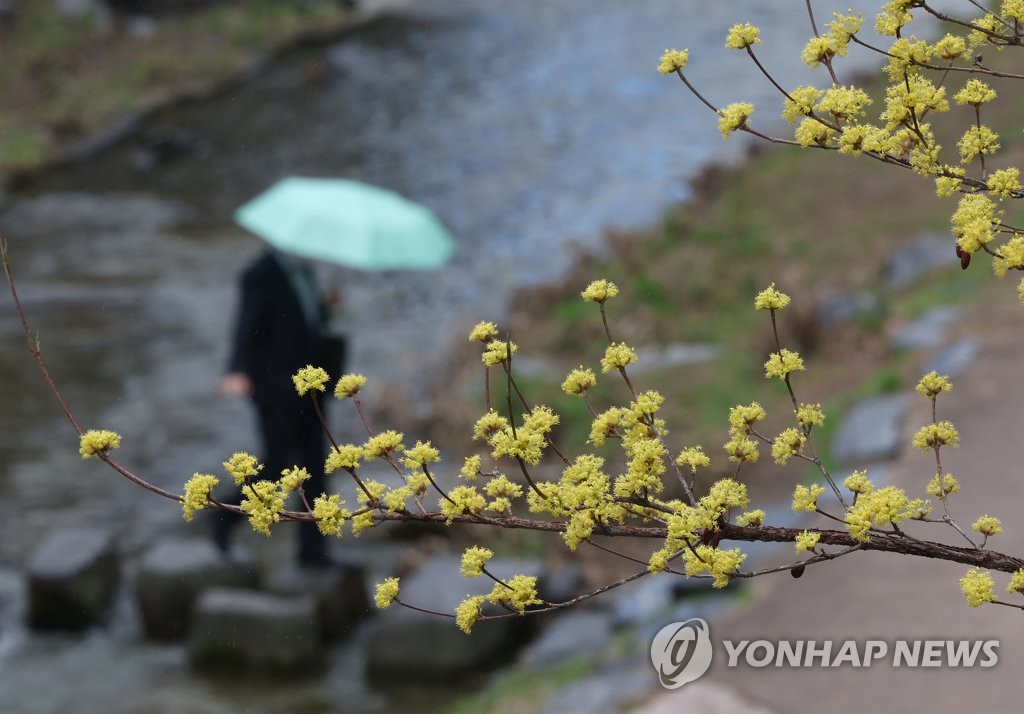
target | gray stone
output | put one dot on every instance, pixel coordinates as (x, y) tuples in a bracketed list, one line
[(871, 431), (650, 358), (837, 309), (73, 577), (917, 258), (339, 592), (571, 635), (954, 360), (644, 599), (416, 644), (928, 330), (605, 692), (252, 633), (562, 583), (172, 576)]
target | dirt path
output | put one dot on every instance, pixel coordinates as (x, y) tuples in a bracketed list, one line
[(889, 597)]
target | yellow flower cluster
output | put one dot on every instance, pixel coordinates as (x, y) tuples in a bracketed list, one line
[(526, 444), (600, 291), (977, 141), (844, 103), (751, 518), (1016, 582), (579, 381), (382, 444), (809, 416), (497, 352), (972, 221), (483, 332), (292, 479), (693, 457), (470, 468), (464, 499), (976, 586), (473, 561), (197, 494), (771, 299), (799, 103), (673, 61), (346, 457), (242, 466), (264, 504), (387, 593), (1005, 182), (741, 418), (782, 363), (420, 455), (349, 385), (883, 507), (807, 541), (742, 36), (805, 498), (787, 444), (734, 116), (940, 488), (975, 93), (518, 593), (643, 470), (468, 612), (502, 491), (950, 47), (859, 483), (931, 436), (96, 441), (330, 514), (933, 384), (741, 448), (988, 525), (719, 564), (617, 356), (310, 377)]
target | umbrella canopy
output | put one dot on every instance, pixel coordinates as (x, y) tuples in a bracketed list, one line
[(349, 223)]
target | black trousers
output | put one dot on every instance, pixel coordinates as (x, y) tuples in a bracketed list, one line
[(292, 436)]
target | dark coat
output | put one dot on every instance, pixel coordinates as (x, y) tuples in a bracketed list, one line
[(272, 339)]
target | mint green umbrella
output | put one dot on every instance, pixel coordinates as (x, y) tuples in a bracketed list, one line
[(349, 223)]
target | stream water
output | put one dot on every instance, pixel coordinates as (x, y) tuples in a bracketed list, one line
[(530, 127)]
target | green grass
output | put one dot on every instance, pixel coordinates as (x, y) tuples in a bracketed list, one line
[(522, 690)]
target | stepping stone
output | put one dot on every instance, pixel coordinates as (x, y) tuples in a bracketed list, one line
[(928, 330), (245, 632), (571, 635), (955, 359), (872, 431), (172, 576), (432, 647), (73, 576), (340, 593)]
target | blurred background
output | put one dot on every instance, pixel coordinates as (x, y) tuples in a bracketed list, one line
[(543, 137)]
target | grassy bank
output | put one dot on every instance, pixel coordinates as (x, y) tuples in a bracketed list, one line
[(64, 78)]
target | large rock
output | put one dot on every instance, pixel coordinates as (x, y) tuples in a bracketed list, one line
[(172, 576), (928, 330), (244, 632), (339, 592), (872, 431), (411, 644), (73, 576), (571, 635)]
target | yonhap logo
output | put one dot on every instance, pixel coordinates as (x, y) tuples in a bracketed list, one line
[(681, 652)]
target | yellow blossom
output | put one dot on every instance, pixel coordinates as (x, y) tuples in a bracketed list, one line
[(673, 61), (977, 140), (329, 514), (579, 381), (858, 482), (988, 525), (483, 332), (976, 586), (931, 436), (810, 415), (471, 468), (96, 441), (241, 466), (742, 36), (741, 448), (972, 221), (349, 385), (461, 499), (844, 103), (473, 561), (346, 457), (617, 356), (384, 443), (497, 352), (693, 457), (733, 117), (518, 593), (468, 612), (197, 494), (1016, 582), (807, 541), (975, 93), (658, 562), (291, 479), (600, 291), (751, 518), (488, 425), (720, 564), (771, 299), (420, 455), (264, 504), (502, 487), (882, 507), (1013, 10), (942, 487), (950, 47), (361, 522), (812, 132), (805, 498), (741, 418), (1004, 182), (787, 444), (387, 593), (818, 50), (780, 364), (310, 377), (933, 384), (800, 102)]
